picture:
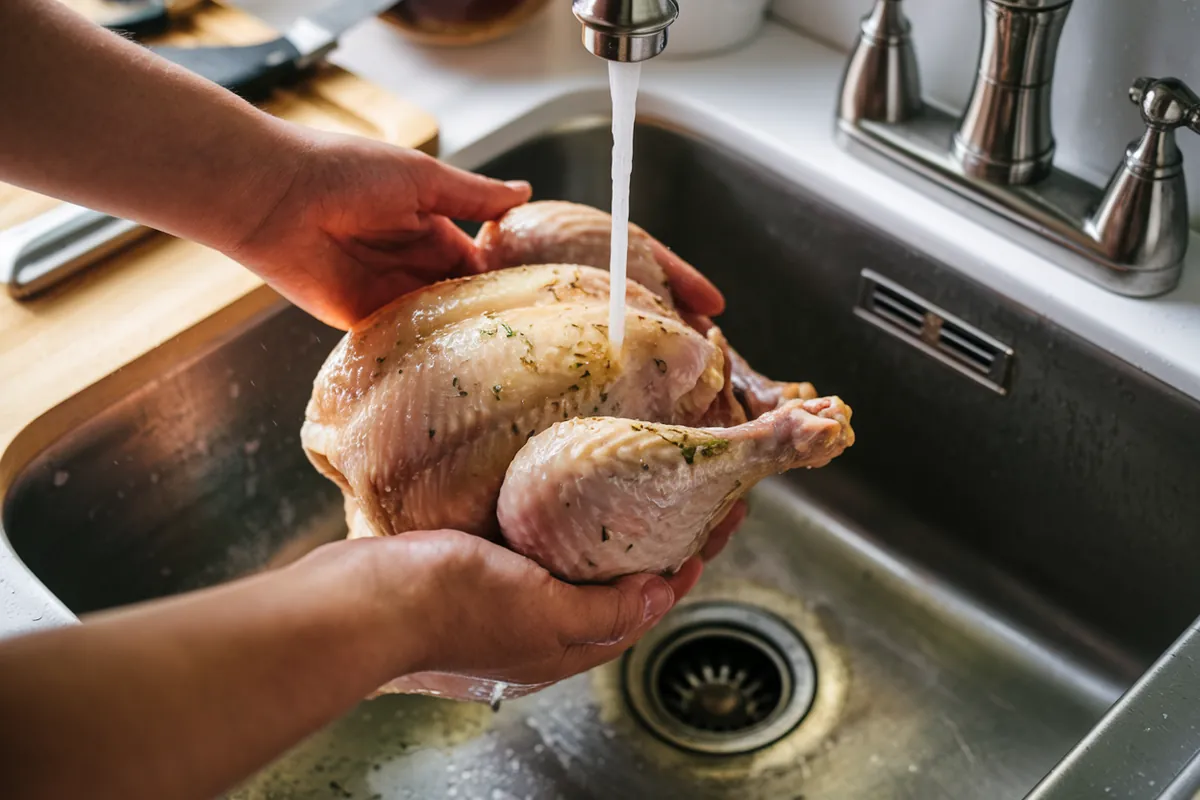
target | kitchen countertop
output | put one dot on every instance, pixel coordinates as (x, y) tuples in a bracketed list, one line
[(778, 93)]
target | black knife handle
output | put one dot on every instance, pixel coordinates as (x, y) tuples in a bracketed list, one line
[(143, 22), (250, 71)]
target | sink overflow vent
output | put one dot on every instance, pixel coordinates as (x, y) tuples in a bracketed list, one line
[(935, 332)]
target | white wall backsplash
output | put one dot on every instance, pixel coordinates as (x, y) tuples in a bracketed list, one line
[(1105, 45)]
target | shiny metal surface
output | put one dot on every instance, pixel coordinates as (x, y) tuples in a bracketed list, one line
[(1149, 184), (338, 16), (882, 82), (688, 691), (1147, 747), (994, 162), (977, 583), (934, 331), (625, 30), (1005, 134), (52, 246)]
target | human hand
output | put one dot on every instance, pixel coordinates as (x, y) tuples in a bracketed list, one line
[(472, 687), (557, 232), (693, 293), (362, 223), (471, 609)]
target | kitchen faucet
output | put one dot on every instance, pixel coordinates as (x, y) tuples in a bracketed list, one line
[(997, 156), (625, 30)]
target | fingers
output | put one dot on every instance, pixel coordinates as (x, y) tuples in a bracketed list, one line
[(435, 249), (644, 601), (459, 194), (692, 290), (618, 614), (611, 615), (698, 321), (685, 579), (611, 619), (489, 248), (719, 537)]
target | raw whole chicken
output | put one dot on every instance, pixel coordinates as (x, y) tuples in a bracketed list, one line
[(493, 404)]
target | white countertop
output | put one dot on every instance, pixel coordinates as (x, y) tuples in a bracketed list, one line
[(778, 94)]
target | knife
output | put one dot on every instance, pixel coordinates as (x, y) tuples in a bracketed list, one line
[(253, 70), (139, 19), (39, 253)]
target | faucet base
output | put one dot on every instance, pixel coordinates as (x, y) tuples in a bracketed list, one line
[(1049, 217)]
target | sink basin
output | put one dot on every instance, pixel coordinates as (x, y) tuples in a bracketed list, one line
[(963, 594)]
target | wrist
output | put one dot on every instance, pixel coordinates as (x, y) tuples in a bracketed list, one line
[(368, 587), (379, 632), (273, 160)]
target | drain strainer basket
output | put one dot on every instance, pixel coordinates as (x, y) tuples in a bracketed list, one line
[(721, 678)]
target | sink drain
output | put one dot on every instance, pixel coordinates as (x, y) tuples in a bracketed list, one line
[(721, 678)]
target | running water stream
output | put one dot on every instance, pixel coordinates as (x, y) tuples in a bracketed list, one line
[(623, 84)]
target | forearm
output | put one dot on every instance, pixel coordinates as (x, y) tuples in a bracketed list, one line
[(100, 121), (185, 697)]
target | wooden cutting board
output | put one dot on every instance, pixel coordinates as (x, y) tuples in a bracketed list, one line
[(162, 297)]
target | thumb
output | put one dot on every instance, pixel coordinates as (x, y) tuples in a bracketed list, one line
[(610, 615), (459, 194)]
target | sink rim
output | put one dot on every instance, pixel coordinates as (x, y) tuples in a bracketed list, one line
[(33, 606)]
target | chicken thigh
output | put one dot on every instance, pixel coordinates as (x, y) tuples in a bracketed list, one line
[(493, 404)]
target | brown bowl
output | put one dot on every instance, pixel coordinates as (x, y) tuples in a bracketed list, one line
[(459, 23)]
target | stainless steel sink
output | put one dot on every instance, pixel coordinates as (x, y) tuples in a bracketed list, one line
[(972, 585)]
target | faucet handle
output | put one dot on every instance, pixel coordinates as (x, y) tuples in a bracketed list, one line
[(1166, 103), (1142, 218)]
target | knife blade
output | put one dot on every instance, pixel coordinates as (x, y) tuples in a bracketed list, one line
[(253, 70), (42, 251), (48, 248)]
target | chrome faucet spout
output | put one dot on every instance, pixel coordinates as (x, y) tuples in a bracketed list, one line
[(1005, 135), (625, 30)]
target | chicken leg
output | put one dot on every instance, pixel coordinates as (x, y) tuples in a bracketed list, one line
[(591, 499)]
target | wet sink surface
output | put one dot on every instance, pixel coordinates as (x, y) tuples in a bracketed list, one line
[(975, 581)]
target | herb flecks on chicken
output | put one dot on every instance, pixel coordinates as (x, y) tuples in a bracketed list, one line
[(501, 410)]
